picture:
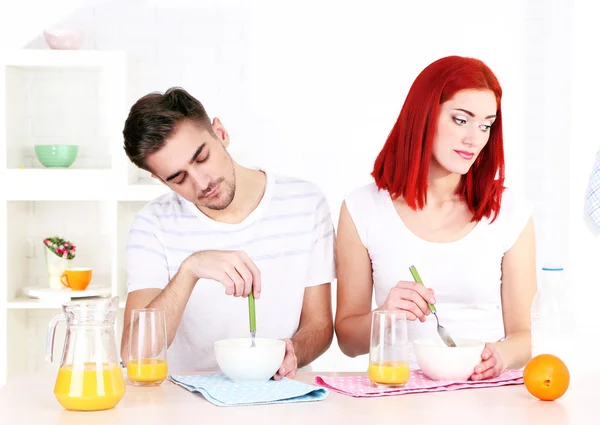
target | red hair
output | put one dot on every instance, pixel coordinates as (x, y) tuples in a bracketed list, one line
[(402, 166)]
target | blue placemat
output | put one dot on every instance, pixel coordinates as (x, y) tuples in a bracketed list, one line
[(221, 391)]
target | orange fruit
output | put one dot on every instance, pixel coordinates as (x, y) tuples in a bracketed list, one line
[(546, 377)]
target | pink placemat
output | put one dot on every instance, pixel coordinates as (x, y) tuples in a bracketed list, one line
[(361, 386)]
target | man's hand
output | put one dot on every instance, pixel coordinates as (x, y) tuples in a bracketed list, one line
[(234, 269), (290, 362)]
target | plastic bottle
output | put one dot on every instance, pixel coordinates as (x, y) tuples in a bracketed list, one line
[(550, 314)]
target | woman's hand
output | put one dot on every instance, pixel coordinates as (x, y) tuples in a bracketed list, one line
[(410, 297), (491, 366)]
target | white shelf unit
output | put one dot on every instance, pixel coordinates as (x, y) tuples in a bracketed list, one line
[(61, 97)]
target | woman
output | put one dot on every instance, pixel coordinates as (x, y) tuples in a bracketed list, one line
[(439, 203)]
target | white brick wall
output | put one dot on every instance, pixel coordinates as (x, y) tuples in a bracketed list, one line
[(313, 88), (548, 78)]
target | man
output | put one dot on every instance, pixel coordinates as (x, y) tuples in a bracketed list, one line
[(224, 231)]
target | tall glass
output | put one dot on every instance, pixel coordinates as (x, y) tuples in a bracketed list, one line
[(147, 359), (388, 354)]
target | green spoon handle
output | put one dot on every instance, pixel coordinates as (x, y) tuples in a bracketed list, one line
[(252, 311), (417, 278)]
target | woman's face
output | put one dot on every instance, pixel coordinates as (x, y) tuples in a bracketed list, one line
[(463, 129)]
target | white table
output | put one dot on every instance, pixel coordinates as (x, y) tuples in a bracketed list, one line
[(30, 400)]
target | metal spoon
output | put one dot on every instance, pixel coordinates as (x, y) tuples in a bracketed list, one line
[(252, 318), (442, 332)]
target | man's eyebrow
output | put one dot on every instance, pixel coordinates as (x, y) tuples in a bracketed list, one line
[(172, 176), (177, 173), (197, 153)]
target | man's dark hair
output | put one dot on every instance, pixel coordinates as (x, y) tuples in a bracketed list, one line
[(153, 118)]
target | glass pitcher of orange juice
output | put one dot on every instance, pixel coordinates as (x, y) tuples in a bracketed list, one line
[(89, 376), (388, 355)]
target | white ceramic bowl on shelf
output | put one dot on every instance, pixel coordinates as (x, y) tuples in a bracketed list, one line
[(64, 39)]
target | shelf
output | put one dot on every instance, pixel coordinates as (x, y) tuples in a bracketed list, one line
[(36, 58), (26, 303), (22, 303), (58, 184), (141, 192), (32, 221), (54, 97), (139, 177), (62, 97), (68, 184)]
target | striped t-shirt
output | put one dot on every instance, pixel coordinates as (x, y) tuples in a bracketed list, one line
[(289, 236)]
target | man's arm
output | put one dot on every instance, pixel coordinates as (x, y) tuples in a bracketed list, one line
[(314, 334), (234, 269), (315, 329), (172, 300)]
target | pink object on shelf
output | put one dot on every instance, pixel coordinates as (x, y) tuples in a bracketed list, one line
[(361, 386), (63, 39)]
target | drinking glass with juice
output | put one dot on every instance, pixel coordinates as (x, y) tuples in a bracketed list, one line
[(147, 362), (388, 354)]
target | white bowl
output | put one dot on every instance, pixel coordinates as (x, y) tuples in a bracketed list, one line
[(64, 39), (442, 363), (243, 363)]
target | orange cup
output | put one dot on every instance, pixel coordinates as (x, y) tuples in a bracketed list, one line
[(77, 279)]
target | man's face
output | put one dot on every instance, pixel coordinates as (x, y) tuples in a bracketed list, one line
[(195, 163)]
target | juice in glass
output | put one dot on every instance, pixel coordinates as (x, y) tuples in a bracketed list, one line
[(147, 359), (389, 373), (147, 370), (388, 355)]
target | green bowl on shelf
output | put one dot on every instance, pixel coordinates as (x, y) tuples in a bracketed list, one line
[(56, 156)]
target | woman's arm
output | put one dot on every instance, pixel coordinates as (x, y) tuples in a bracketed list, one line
[(519, 286), (354, 289)]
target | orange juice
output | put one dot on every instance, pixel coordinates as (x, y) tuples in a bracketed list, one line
[(89, 387), (389, 373), (147, 370)]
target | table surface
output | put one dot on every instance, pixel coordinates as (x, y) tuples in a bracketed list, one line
[(29, 399)]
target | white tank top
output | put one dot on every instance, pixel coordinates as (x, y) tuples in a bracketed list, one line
[(466, 275)]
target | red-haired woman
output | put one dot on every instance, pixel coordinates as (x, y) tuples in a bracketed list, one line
[(439, 203)]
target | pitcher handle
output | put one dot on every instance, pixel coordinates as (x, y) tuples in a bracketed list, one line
[(50, 336)]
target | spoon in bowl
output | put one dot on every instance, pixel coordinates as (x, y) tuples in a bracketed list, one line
[(442, 332)]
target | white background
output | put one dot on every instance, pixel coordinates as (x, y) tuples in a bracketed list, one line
[(312, 89)]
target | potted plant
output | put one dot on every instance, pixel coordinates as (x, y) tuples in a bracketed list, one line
[(59, 255)]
